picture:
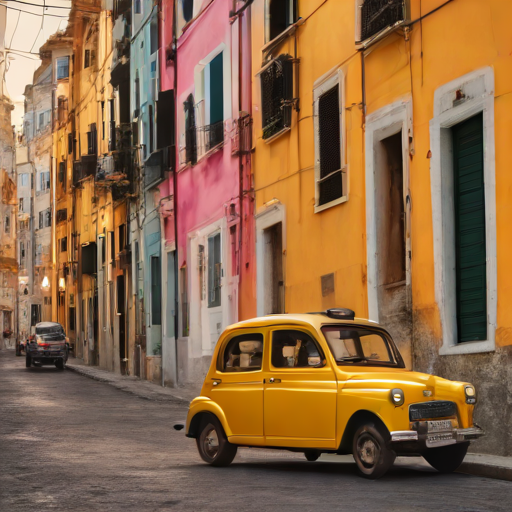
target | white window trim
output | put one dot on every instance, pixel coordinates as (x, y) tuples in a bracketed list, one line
[(321, 86), (478, 87), (383, 123), (269, 216)]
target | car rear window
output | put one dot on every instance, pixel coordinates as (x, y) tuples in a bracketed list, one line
[(51, 329)]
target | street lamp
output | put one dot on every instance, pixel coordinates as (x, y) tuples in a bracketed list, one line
[(46, 283), (62, 284)]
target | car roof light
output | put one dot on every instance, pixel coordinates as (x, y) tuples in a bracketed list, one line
[(341, 313)]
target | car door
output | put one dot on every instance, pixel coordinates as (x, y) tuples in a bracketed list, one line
[(299, 392), (237, 384)]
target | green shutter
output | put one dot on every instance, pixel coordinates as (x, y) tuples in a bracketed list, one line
[(470, 265), (216, 90)]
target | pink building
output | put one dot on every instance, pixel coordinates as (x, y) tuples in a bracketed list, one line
[(210, 193)]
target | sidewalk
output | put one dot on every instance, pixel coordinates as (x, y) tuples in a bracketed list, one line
[(490, 466), (134, 385)]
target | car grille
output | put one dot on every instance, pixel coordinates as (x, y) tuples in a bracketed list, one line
[(430, 410)]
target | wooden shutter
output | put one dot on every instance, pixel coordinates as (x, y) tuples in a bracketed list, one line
[(471, 282), (216, 90), (156, 291)]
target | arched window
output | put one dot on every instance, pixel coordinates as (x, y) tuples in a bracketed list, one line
[(137, 95)]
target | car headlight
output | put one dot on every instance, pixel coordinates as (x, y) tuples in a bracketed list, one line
[(397, 397), (470, 393)]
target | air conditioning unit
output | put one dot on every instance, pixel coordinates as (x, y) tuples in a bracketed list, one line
[(377, 18)]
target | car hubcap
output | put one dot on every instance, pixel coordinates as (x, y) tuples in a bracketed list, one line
[(368, 451), (211, 443)]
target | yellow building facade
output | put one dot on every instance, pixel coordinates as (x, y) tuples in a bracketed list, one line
[(381, 176)]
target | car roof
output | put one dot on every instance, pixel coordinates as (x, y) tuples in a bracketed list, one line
[(315, 320), (48, 324)]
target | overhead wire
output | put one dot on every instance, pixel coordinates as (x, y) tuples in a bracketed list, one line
[(35, 13), (40, 28)]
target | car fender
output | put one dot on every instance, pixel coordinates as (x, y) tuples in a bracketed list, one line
[(203, 404)]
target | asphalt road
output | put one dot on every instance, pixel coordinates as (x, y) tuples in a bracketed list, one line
[(68, 443)]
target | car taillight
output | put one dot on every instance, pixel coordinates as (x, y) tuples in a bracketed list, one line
[(43, 345)]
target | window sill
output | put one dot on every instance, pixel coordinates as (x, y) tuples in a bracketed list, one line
[(468, 347), (277, 135), (340, 200)]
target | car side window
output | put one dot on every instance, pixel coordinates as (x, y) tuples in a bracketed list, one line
[(295, 349), (243, 353)]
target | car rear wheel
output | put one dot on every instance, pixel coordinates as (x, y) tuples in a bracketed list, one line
[(28, 361), (446, 459), (372, 456), (60, 364), (312, 455), (212, 444)]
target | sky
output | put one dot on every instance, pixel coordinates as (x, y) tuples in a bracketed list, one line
[(26, 32)]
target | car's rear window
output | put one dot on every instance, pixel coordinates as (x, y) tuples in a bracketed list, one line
[(51, 329)]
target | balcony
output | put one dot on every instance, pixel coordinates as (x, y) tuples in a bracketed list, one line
[(85, 167), (158, 163), (241, 138), (125, 258)]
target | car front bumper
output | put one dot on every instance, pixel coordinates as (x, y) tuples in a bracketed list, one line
[(419, 440)]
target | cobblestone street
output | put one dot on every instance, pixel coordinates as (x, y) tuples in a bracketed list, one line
[(69, 443)]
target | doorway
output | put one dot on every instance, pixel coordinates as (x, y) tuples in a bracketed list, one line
[(121, 318), (273, 280)]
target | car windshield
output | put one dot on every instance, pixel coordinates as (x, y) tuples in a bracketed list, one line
[(354, 346)]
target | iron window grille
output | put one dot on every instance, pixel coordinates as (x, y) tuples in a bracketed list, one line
[(241, 139), (277, 95), (92, 138), (375, 16), (214, 135), (190, 131)]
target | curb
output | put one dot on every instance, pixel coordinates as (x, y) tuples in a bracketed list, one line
[(486, 470), (153, 394)]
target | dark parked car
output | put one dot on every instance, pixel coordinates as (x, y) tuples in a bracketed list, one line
[(48, 346)]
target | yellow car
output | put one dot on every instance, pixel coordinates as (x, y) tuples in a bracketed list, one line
[(327, 383)]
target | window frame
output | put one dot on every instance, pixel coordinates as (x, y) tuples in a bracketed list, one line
[(212, 236), (318, 345), (220, 357), (59, 62), (294, 14), (322, 86)]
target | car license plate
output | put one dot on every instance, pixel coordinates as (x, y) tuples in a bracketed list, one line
[(441, 439), (439, 426)]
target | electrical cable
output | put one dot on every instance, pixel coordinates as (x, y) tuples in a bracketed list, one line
[(35, 13), (39, 5), (15, 28), (40, 28)]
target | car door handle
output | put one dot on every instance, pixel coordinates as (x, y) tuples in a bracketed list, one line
[(274, 381), (216, 382)]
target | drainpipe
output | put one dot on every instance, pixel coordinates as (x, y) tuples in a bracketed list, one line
[(175, 193)]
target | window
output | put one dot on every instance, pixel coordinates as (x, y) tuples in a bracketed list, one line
[(111, 236), (295, 349), (276, 95), (44, 180), (87, 58), (375, 16), (41, 120), (184, 301), (188, 9), (23, 180), (92, 140), (20, 204), (330, 171), (190, 131), (281, 14), (153, 43), (62, 68), (22, 250), (41, 220), (47, 218), (102, 120), (137, 6), (137, 96), (64, 244), (122, 237), (156, 291), (7, 224), (359, 346), (210, 101), (151, 128), (214, 271), (71, 316), (242, 354)]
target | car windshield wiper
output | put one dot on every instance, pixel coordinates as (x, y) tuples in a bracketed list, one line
[(353, 359)]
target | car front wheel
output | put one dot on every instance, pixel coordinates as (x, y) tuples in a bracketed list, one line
[(213, 445), (372, 456), (446, 459)]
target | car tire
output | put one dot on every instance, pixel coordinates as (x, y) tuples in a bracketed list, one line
[(312, 455), (28, 361), (212, 444), (446, 459), (371, 452), (60, 364)]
